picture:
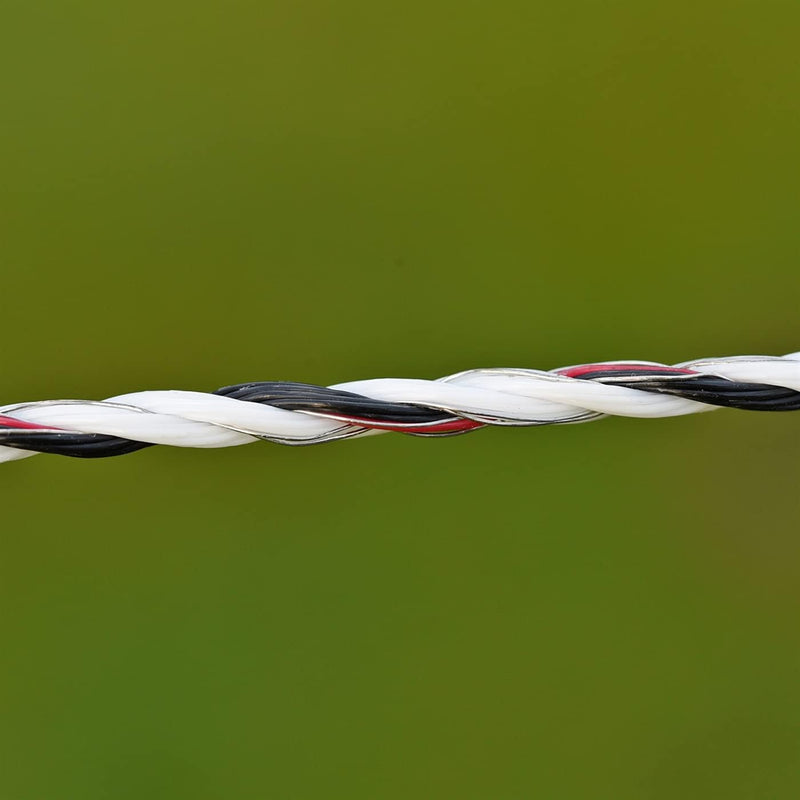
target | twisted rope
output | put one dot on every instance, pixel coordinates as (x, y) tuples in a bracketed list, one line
[(298, 413)]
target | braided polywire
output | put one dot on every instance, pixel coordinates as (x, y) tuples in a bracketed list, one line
[(299, 414)]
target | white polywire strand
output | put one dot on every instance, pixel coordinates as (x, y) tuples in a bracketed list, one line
[(258, 420), (753, 369), (130, 423), (523, 395), (180, 419), (616, 400), (499, 396)]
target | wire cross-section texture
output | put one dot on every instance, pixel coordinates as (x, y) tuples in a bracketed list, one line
[(299, 413)]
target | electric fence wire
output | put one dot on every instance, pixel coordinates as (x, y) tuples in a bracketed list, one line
[(300, 414)]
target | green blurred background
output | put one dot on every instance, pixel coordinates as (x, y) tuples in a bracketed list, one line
[(197, 194)]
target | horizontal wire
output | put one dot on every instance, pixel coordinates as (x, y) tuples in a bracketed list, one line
[(299, 413)]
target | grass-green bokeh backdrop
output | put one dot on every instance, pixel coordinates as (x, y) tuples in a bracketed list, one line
[(196, 194)]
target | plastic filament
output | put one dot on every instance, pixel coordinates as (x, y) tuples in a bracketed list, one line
[(300, 414)]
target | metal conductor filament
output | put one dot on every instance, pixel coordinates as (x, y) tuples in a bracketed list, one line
[(299, 413)]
